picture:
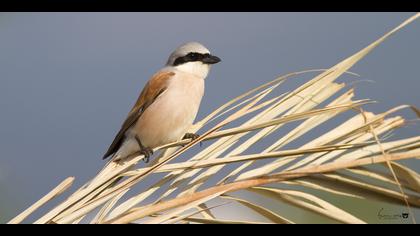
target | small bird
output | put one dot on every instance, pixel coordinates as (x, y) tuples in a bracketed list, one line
[(167, 105)]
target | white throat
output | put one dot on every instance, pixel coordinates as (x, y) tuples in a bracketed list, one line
[(196, 68)]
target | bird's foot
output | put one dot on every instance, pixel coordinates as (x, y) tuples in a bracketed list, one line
[(192, 137), (147, 152)]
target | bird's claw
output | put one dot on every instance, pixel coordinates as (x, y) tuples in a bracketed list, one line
[(147, 152), (192, 136)]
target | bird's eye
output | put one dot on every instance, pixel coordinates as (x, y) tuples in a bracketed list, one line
[(193, 56)]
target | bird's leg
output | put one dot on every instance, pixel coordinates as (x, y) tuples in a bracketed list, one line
[(191, 136), (146, 151)]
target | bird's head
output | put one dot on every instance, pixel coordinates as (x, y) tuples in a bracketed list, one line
[(192, 58)]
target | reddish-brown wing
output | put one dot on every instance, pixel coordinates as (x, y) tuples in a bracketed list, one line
[(156, 85)]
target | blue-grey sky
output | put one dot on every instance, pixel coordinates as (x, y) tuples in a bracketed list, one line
[(67, 80)]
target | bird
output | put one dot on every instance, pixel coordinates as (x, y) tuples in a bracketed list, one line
[(167, 105)]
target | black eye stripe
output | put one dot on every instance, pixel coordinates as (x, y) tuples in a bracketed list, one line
[(192, 56)]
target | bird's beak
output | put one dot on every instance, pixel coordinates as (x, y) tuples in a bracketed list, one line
[(210, 59)]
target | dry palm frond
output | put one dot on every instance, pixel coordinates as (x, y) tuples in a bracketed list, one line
[(337, 162)]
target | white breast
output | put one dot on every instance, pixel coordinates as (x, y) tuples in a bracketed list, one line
[(168, 118)]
